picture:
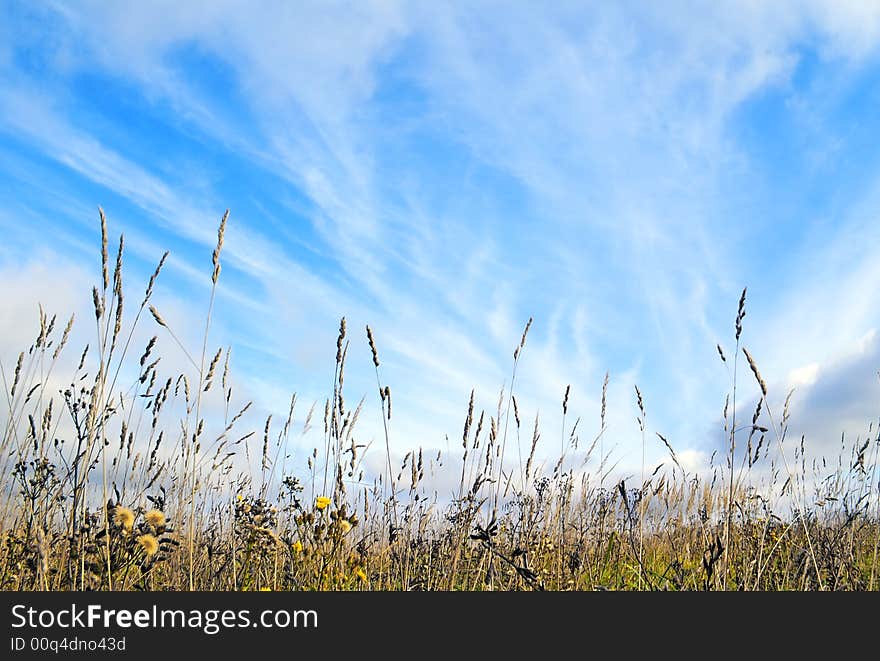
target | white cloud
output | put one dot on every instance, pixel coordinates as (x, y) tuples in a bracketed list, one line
[(803, 376), (611, 124)]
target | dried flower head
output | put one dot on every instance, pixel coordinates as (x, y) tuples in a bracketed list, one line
[(149, 544), (123, 517), (155, 518)]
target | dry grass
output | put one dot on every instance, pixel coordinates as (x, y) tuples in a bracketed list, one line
[(123, 487)]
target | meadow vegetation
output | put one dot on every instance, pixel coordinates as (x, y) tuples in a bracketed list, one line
[(125, 479)]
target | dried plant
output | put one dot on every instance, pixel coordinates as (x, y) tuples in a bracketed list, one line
[(125, 481)]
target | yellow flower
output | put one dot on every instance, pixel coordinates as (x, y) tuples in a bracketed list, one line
[(265, 589), (123, 517), (297, 546), (322, 502), (344, 525), (155, 518), (149, 544), (361, 574)]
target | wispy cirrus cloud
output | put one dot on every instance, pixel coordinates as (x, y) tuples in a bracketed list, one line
[(444, 172)]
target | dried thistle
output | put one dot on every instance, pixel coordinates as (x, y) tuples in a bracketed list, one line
[(123, 517), (155, 518), (149, 544)]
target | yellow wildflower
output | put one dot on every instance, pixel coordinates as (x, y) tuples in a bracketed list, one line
[(297, 546), (149, 544), (123, 517), (155, 518), (361, 574), (322, 502)]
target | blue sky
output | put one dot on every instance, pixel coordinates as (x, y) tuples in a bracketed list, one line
[(445, 171)]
